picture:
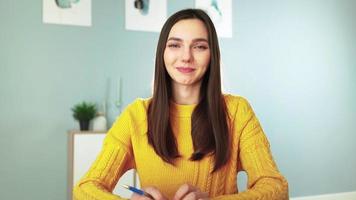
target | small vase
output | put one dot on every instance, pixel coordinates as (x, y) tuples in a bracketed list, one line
[(84, 125), (100, 123)]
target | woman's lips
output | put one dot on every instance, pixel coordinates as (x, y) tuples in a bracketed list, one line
[(185, 69)]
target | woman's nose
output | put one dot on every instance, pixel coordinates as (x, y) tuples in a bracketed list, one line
[(186, 55)]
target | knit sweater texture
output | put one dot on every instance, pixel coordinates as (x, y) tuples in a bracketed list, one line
[(126, 147)]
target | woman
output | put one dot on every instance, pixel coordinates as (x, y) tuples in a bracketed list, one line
[(189, 140)]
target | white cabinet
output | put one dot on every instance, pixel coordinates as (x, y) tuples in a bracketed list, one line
[(83, 148)]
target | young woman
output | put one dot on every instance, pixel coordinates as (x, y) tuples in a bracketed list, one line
[(189, 140)]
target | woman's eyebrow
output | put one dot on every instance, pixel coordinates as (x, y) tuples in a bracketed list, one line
[(194, 40), (175, 39), (200, 40)]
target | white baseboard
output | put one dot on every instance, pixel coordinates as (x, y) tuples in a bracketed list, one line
[(335, 196)]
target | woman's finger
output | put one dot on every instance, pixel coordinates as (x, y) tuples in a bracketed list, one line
[(135, 196), (184, 190), (196, 195), (155, 193)]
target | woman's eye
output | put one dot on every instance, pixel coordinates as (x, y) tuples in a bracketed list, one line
[(173, 45), (201, 47)]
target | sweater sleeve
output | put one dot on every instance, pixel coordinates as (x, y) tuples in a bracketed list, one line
[(264, 180), (113, 161)]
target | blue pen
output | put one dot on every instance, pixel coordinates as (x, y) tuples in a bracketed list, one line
[(137, 191)]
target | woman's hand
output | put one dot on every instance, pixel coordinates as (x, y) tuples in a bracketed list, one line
[(189, 192), (154, 192)]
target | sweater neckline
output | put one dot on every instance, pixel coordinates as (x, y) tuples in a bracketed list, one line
[(180, 110)]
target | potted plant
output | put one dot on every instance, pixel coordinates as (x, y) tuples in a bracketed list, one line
[(84, 112)]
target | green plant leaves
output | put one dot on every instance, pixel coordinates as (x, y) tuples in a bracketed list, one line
[(84, 111)]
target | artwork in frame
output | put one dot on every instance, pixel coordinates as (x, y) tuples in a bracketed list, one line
[(145, 15), (67, 12), (220, 11)]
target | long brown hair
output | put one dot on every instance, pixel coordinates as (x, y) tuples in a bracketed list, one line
[(210, 133)]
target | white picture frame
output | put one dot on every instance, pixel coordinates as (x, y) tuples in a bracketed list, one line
[(220, 12), (151, 18), (67, 12)]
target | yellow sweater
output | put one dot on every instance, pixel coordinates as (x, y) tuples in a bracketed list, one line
[(126, 147)]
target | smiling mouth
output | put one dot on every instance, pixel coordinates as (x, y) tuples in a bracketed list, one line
[(185, 69)]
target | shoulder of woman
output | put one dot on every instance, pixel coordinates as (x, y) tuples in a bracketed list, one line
[(236, 103), (232, 99), (138, 108)]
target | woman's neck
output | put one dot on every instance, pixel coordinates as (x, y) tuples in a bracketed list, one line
[(186, 94)]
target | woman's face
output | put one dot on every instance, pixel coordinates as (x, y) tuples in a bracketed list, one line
[(187, 53)]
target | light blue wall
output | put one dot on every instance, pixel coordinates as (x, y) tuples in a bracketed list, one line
[(294, 61)]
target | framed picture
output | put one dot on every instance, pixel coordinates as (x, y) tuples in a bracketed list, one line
[(68, 12), (220, 12), (145, 15)]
